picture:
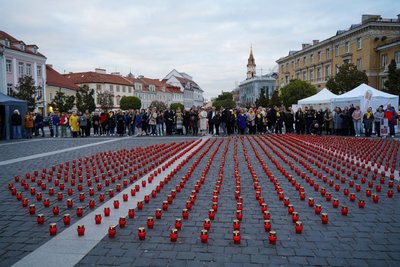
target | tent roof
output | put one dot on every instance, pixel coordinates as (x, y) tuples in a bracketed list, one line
[(360, 91), (5, 99), (323, 96)]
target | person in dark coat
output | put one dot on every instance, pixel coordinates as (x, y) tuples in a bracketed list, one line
[(169, 120), (39, 124), (120, 124), (16, 122), (299, 121)]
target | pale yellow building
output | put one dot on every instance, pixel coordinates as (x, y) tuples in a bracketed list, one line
[(370, 45)]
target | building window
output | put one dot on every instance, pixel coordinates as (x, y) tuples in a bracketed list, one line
[(51, 97), (9, 88), (152, 88), (8, 66), (298, 75), (311, 59), (98, 87), (130, 89), (397, 57), (319, 56), (336, 68), (28, 69), (20, 69), (123, 89), (117, 91), (111, 88), (359, 43), (298, 63), (319, 74), (304, 61), (311, 75), (336, 50), (287, 69), (39, 71), (347, 47), (292, 64), (383, 81), (328, 53), (384, 61), (327, 72), (305, 75), (359, 64)]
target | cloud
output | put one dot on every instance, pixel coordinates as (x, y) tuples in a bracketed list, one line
[(210, 40)]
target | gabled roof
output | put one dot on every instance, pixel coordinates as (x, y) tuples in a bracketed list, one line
[(94, 77), (15, 44), (54, 78)]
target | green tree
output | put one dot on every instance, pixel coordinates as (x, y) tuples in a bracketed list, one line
[(296, 90), (130, 102), (224, 100), (275, 99), (393, 82), (348, 78), (62, 102), (85, 99), (175, 106), (159, 105), (263, 99), (26, 90), (105, 100)]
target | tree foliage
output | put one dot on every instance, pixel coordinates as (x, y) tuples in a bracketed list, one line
[(275, 99), (130, 102), (105, 100), (26, 90), (175, 106), (62, 102), (159, 105), (296, 90), (85, 99), (348, 78), (263, 99), (224, 100), (393, 82)]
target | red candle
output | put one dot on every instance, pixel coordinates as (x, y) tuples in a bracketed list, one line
[(267, 225), (122, 222), (345, 210), (70, 203), (67, 219), (150, 222), (328, 196), (290, 208), (375, 198), (178, 224), (298, 227), (97, 218), (32, 209), (272, 237), (236, 224), (286, 201), (106, 211), (266, 215), (207, 224), (112, 231), (56, 210), (81, 230), (361, 203), (146, 199), (116, 204), (165, 205), (236, 237), (185, 214), (335, 203), (390, 193), (142, 233), (131, 213), (40, 218), (352, 197), (204, 236), (310, 202), (25, 202), (295, 217), (211, 214), (53, 229), (158, 213), (174, 235), (239, 215), (140, 205), (318, 209), (125, 197), (79, 211), (324, 218)]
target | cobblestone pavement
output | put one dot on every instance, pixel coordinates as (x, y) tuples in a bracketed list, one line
[(365, 237)]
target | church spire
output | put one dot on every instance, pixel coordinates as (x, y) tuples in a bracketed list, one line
[(251, 65)]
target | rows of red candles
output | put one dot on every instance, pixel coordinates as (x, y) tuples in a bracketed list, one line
[(140, 157), (178, 188), (351, 167), (239, 199), (131, 212)]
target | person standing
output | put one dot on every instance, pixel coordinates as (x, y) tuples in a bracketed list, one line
[(153, 121), (160, 123), (111, 123), (368, 120), (299, 121), (28, 123), (38, 124), (328, 121), (88, 123), (241, 121), (357, 117), (74, 124), (378, 116), (169, 120), (391, 115), (120, 124), (63, 123), (179, 121), (138, 123), (103, 123), (338, 121), (16, 122), (251, 121), (56, 123), (96, 123), (203, 121)]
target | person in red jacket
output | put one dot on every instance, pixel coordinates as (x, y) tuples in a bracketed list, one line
[(391, 116), (64, 124), (103, 123)]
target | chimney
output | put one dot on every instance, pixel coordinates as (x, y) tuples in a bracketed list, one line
[(50, 65), (115, 73), (100, 70), (367, 18), (314, 42), (304, 46)]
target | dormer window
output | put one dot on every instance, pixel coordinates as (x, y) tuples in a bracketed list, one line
[(7, 42), (22, 47), (152, 87)]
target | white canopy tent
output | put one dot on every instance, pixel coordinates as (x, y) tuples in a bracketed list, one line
[(322, 99), (365, 96)]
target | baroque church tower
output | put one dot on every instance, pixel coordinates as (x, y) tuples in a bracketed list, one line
[(251, 65)]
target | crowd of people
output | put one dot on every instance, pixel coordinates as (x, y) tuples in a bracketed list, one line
[(201, 121)]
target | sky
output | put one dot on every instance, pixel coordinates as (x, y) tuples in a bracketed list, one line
[(207, 39)]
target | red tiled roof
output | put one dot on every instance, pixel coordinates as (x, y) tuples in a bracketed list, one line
[(15, 44), (173, 89), (94, 77), (56, 79)]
